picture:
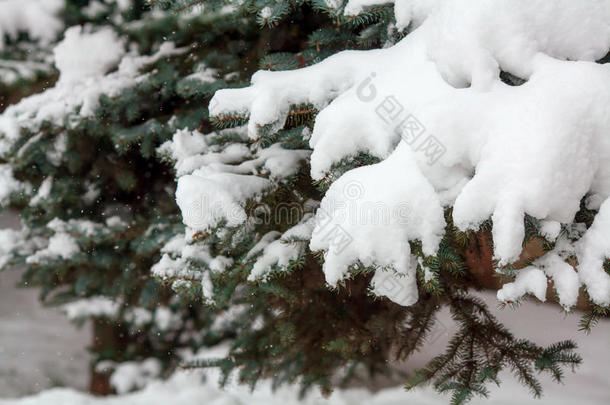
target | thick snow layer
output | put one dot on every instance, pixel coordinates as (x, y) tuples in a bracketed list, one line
[(37, 18), (465, 138), (215, 182), (530, 280), (541, 323), (594, 248), (565, 279), (74, 64), (206, 198)]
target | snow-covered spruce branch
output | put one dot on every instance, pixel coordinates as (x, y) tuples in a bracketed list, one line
[(370, 171), (78, 165), (413, 148), (39, 21), (508, 150)]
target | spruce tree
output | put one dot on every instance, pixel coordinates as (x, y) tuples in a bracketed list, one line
[(386, 161), (314, 209), (27, 33), (79, 165)]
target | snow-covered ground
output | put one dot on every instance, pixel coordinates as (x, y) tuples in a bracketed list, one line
[(39, 349), (40, 346)]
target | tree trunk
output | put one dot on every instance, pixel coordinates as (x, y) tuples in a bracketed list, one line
[(106, 339), (479, 258)]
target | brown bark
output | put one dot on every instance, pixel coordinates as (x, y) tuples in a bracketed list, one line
[(10, 96), (106, 337), (479, 258)]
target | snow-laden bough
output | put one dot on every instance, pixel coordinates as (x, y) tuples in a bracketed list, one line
[(506, 151)]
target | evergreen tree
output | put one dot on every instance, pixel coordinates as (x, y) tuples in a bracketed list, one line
[(96, 205), (26, 34), (329, 205), (313, 208)]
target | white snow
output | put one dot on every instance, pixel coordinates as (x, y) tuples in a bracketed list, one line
[(334, 4), (11, 241), (184, 144), (469, 140), (37, 18), (131, 375), (379, 213), (165, 319), (594, 247), (190, 151), (104, 51), (12, 71), (176, 264), (263, 243), (94, 8), (530, 280), (124, 5), (81, 227), (214, 183), (39, 348), (43, 191), (565, 279), (61, 245), (138, 317), (105, 307), (542, 323), (77, 94), (94, 306), (40, 21), (203, 74), (206, 198), (266, 12), (8, 183), (62, 242), (355, 7), (282, 251), (60, 146)]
